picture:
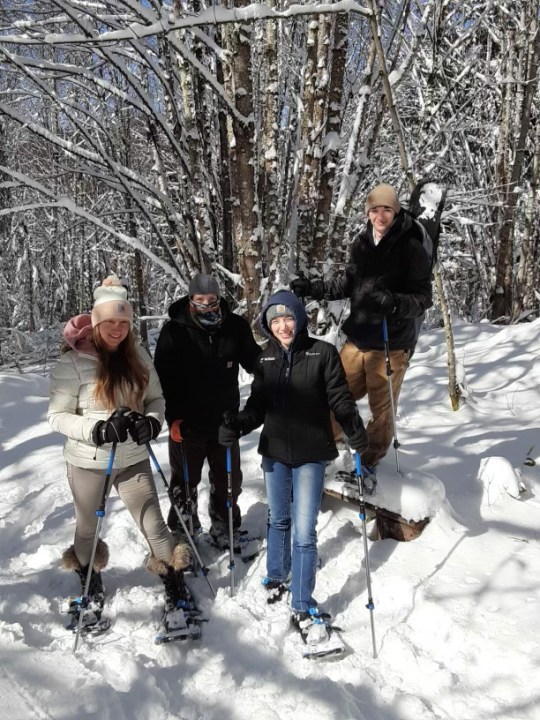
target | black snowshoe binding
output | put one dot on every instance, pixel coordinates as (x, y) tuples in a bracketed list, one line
[(369, 474), (276, 589), (90, 605), (181, 618), (319, 636)]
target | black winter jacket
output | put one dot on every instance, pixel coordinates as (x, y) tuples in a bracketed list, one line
[(198, 368), (293, 393), (402, 265)]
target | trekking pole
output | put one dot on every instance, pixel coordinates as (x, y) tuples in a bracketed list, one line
[(232, 564), (187, 490), (189, 500), (100, 512), (204, 569), (389, 373), (362, 515)]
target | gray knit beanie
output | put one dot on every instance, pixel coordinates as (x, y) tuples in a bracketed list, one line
[(275, 311), (203, 284)]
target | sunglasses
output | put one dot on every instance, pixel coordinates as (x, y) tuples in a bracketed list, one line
[(205, 306)]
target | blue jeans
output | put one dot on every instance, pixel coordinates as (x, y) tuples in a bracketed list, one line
[(294, 499)]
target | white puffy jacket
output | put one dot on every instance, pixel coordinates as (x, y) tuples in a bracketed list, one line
[(73, 411)]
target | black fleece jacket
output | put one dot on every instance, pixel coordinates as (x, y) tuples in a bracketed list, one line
[(401, 264), (198, 368), (293, 393)]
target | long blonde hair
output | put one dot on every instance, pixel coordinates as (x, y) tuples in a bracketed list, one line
[(122, 376)]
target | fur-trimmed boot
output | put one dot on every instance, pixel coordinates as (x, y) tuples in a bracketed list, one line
[(172, 575), (70, 562)]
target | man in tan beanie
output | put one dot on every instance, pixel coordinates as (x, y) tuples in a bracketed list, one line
[(388, 276)]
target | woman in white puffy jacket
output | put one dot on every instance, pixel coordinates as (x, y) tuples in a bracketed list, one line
[(101, 370)]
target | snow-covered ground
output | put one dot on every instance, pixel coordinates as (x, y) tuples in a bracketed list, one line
[(457, 610)]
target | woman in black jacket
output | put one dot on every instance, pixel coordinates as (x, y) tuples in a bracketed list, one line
[(297, 381)]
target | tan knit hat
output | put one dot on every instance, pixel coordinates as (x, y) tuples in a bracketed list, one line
[(110, 302), (382, 195)]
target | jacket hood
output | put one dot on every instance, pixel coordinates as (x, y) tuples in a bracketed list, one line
[(78, 334), (288, 298)]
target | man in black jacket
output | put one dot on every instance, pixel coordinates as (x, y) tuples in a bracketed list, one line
[(388, 276), (197, 358)]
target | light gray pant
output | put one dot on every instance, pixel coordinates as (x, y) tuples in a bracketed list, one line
[(136, 488)]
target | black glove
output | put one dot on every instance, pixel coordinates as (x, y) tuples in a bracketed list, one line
[(358, 437), (114, 429), (143, 428), (301, 286), (381, 300), (229, 430)]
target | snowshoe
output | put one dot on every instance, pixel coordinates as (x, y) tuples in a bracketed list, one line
[(181, 617), (181, 622), (91, 606), (93, 622), (244, 544), (320, 638), (369, 473)]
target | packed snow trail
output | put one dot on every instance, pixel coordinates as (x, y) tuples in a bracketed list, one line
[(456, 610)]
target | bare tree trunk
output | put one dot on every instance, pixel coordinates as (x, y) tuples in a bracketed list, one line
[(225, 179), (525, 89), (313, 107), (269, 159), (454, 389), (246, 230), (527, 274), (355, 157), (330, 158)]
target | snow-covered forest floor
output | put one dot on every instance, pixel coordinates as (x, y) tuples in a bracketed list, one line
[(456, 610)]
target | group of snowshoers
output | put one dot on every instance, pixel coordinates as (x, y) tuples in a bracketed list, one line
[(110, 400)]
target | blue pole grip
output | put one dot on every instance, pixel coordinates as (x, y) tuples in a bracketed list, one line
[(358, 463), (111, 459), (229, 460), (384, 329)]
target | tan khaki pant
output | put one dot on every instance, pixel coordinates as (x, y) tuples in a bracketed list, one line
[(136, 488), (366, 375)]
